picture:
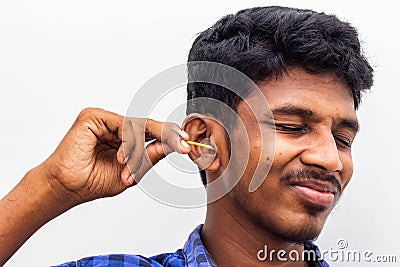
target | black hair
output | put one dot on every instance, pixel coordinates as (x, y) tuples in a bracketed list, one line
[(262, 42)]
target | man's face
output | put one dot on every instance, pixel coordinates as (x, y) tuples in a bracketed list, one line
[(315, 125)]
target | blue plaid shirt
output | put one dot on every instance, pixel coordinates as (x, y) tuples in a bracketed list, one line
[(193, 254)]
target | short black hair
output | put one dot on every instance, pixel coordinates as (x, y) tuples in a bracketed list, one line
[(263, 42)]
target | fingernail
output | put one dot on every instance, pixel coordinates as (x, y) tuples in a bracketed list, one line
[(131, 178), (133, 175), (184, 144), (184, 134)]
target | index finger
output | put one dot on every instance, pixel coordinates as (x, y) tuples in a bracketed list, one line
[(169, 133), (103, 124)]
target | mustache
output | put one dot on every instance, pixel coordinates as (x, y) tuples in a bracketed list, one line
[(307, 175)]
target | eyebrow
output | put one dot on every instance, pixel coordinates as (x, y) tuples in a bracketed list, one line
[(308, 114), (350, 124)]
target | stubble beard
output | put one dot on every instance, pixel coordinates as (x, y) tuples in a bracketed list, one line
[(298, 234)]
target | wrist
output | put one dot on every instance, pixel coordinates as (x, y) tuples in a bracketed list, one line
[(53, 190)]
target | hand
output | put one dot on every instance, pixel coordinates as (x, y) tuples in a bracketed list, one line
[(95, 159), (103, 154)]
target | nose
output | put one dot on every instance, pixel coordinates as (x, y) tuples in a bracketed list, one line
[(323, 153)]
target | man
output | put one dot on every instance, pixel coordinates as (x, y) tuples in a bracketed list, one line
[(308, 67)]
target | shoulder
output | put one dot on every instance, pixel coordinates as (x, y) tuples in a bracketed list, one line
[(125, 260)]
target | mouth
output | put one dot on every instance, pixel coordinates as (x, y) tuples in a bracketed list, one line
[(315, 192)]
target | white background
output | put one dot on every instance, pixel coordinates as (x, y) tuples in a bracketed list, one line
[(58, 57)]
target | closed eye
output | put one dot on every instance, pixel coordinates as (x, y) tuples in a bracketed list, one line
[(344, 141), (291, 129)]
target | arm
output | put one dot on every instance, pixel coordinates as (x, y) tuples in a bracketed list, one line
[(92, 161), (31, 204)]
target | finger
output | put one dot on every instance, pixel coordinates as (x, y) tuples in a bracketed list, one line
[(126, 177), (153, 129), (135, 157), (183, 146), (128, 141), (175, 138), (184, 135), (133, 148), (154, 152), (120, 155), (169, 133), (105, 125)]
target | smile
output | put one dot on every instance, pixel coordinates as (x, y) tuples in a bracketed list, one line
[(315, 193)]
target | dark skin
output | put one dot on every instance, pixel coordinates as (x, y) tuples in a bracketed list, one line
[(94, 160), (97, 158), (315, 124)]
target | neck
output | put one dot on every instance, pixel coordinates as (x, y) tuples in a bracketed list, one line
[(232, 239)]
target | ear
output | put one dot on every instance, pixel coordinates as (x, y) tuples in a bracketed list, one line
[(200, 129)]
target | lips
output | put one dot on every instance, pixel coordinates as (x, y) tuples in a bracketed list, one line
[(315, 192)]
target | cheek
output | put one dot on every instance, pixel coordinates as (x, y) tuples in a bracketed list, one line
[(247, 145), (285, 152), (347, 171)]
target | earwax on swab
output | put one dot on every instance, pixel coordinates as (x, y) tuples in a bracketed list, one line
[(200, 144)]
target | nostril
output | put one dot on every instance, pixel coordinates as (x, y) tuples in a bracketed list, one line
[(329, 161)]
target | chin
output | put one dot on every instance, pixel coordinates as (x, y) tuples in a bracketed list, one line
[(293, 228), (305, 227), (301, 234), (297, 226)]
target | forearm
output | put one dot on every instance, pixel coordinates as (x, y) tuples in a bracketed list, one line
[(30, 205)]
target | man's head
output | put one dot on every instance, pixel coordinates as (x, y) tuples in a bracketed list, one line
[(311, 70)]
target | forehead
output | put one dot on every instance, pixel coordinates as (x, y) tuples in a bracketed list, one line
[(323, 94)]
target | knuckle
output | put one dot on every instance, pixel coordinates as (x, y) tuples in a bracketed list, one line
[(148, 124), (173, 126), (88, 112)]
